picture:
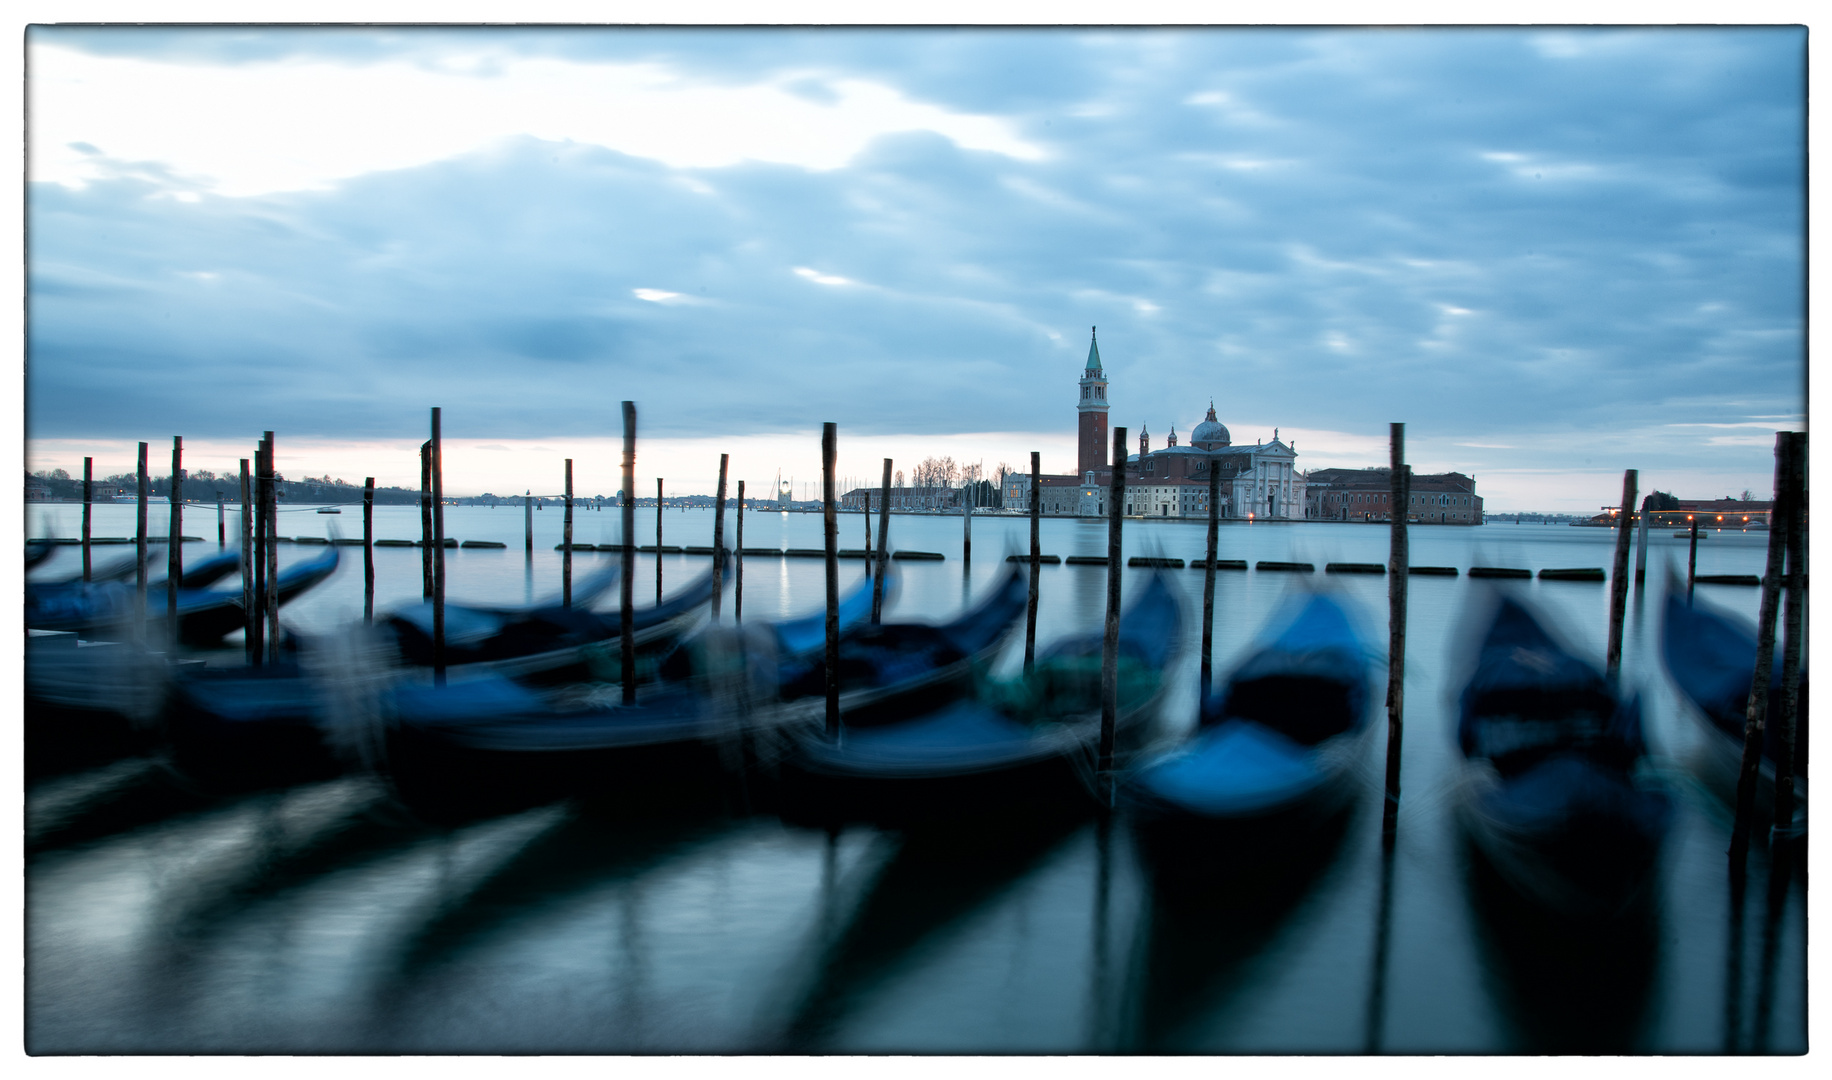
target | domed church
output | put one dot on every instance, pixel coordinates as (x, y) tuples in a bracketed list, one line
[(1258, 481)]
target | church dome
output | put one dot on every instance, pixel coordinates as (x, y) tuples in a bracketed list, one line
[(1210, 431)]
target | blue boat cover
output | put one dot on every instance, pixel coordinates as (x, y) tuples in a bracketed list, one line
[(1711, 656)]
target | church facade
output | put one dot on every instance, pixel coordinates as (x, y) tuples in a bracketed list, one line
[(1257, 482)]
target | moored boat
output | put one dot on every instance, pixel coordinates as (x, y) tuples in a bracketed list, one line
[(1555, 791)]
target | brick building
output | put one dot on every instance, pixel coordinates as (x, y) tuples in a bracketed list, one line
[(1366, 495)]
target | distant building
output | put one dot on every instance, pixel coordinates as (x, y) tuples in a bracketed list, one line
[(904, 498), (1258, 481), (1366, 495)]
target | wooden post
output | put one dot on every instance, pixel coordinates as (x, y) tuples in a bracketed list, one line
[(658, 540), (174, 542), (222, 534), (1793, 620), (369, 550), (249, 633), (438, 500), (140, 551), (831, 533), (1208, 581), (884, 535), (627, 615), (1399, 560), (1755, 714), (1618, 578), (528, 518), (88, 499), (1692, 558), (1110, 641), (738, 584), (271, 605), (1641, 539), (967, 530), (566, 543), (868, 534), (1036, 560), (718, 542), (426, 521)]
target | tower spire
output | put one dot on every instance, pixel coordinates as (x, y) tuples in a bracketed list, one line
[(1093, 351)]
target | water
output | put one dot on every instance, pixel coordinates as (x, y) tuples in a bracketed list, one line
[(323, 919)]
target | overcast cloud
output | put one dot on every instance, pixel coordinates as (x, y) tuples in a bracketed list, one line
[(1549, 253)]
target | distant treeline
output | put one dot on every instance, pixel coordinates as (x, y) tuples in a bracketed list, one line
[(203, 486)]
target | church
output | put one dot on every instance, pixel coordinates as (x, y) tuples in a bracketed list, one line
[(1257, 482)]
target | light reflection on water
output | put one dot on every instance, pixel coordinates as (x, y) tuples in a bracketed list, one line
[(323, 918)]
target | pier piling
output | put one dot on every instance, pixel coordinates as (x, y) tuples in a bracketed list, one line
[(831, 534), (1618, 578), (248, 589), (174, 542), (1641, 540), (88, 500), (1692, 561), (738, 569), (658, 540), (867, 515), (967, 494), (1399, 559), (566, 543), (626, 616), (1110, 640), (368, 550), (270, 603), (140, 551), (1208, 584), (438, 499), (426, 521), (1036, 551), (528, 519), (222, 535), (884, 532), (718, 542), (1755, 714)]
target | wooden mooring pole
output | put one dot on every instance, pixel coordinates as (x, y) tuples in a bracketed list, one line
[(1399, 562), (528, 519), (88, 500), (270, 604), (967, 493), (438, 499), (369, 550), (1618, 577), (140, 550), (426, 521), (1755, 714), (1692, 561), (1641, 539), (261, 543), (1793, 624), (1208, 583), (248, 590), (222, 534), (867, 516), (718, 542), (831, 534), (658, 540), (174, 542), (566, 543), (627, 613), (738, 570), (884, 533), (1036, 562), (1110, 640)]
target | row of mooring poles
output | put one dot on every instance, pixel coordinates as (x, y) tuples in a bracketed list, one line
[(1786, 558)]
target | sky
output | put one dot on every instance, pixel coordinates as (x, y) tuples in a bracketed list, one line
[(1552, 253)]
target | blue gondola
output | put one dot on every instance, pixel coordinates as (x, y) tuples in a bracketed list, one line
[(204, 615), (1279, 752), (1554, 792), (1711, 656), (1028, 746)]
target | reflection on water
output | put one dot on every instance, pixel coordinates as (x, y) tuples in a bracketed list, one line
[(326, 918)]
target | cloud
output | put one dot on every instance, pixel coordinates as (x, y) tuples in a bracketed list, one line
[(1326, 230)]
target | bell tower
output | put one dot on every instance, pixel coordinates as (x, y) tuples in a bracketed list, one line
[(1092, 442)]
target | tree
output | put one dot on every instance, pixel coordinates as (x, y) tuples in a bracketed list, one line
[(1747, 496)]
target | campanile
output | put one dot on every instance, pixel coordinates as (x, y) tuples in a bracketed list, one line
[(1093, 409)]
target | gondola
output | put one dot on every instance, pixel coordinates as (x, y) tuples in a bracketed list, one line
[(204, 615), (1710, 655), (1278, 753), (1554, 792), (90, 702), (552, 642), (1027, 747)]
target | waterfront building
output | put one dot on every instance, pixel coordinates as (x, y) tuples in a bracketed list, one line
[(1258, 481), (1366, 495)]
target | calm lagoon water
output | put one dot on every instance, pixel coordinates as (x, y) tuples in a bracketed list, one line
[(324, 919)]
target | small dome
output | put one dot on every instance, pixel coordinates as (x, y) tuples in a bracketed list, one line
[(1210, 431)]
